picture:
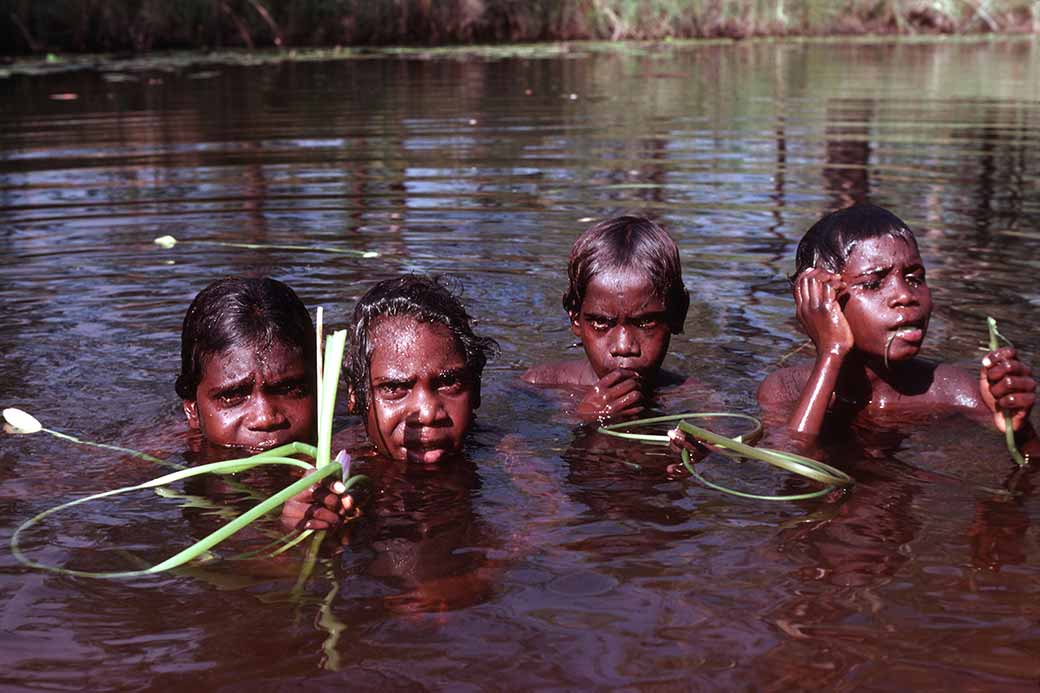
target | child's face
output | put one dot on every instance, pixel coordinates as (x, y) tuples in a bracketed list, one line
[(254, 400), (422, 395), (887, 295), (622, 323)]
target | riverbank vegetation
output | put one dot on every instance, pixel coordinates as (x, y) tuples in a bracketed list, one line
[(42, 26)]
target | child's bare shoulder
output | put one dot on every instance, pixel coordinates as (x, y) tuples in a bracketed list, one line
[(555, 373), (958, 385), (784, 385)]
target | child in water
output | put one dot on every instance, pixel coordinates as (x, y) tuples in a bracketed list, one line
[(247, 369), (861, 296), (413, 369), (625, 300)]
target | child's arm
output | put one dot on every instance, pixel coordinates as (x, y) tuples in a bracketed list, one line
[(816, 305), (1007, 385)]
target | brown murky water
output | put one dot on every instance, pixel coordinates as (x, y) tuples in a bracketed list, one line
[(542, 561)]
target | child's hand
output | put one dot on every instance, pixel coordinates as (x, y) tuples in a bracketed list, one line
[(617, 394), (1007, 385), (320, 507), (816, 305), (679, 441)]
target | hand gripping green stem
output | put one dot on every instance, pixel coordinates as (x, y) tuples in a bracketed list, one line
[(328, 379), (271, 457), (738, 447), (1009, 431)]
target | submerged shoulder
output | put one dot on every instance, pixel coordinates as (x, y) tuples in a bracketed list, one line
[(783, 385), (554, 373)]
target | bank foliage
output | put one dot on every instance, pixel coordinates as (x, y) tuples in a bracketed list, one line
[(38, 26)]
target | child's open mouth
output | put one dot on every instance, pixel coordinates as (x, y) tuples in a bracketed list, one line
[(910, 333), (427, 452)]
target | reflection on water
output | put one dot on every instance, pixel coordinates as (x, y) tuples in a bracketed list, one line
[(546, 559)]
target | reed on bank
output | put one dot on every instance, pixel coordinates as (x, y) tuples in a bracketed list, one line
[(41, 26)]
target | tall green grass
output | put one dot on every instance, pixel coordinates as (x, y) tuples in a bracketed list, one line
[(36, 26)]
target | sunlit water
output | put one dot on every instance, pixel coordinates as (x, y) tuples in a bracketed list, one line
[(543, 561)]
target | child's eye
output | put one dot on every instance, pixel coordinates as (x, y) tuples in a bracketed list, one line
[(392, 390), (646, 323), (872, 285), (231, 399), (915, 279), (599, 324), (451, 385), (291, 389)]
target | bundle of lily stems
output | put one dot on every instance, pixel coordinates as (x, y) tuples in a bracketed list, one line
[(322, 467)]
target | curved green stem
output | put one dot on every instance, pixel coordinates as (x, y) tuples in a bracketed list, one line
[(199, 547), (324, 467), (1009, 431), (738, 447), (106, 446)]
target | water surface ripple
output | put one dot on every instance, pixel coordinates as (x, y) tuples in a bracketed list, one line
[(542, 561)]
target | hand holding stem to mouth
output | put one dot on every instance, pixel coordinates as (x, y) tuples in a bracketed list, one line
[(618, 394)]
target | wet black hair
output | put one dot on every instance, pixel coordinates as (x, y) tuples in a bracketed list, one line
[(426, 299), (241, 311), (829, 242), (629, 242)]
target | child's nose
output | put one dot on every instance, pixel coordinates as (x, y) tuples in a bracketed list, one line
[(625, 342), (427, 406), (265, 416), (902, 294)]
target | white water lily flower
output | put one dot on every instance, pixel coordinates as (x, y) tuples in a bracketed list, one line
[(165, 242), (20, 422)]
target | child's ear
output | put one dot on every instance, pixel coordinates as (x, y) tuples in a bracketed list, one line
[(191, 413), (352, 401), (679, 312)]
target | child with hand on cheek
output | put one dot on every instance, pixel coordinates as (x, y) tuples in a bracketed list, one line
[(861, 296), (413, 368), (247, 368), (625, 300)]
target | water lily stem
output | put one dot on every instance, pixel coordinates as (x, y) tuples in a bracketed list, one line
[(1009, 432)]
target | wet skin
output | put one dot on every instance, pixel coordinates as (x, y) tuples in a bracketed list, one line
[(622, 324), (254, 400), (886, 297), (624, 328), (421, 404), (422, 396), (881, 300)]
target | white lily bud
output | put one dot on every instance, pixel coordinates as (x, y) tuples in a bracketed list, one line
[(165, 242), (20, 422)]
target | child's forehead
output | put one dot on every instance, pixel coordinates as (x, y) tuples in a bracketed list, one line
[(404, 334), (889, 249), (628, 279), (275, 354)]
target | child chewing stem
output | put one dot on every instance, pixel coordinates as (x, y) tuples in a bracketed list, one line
[(414, 369), (625, 300), (861, 295)]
